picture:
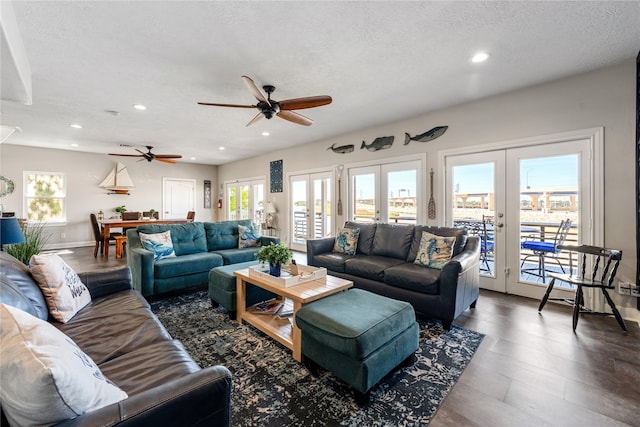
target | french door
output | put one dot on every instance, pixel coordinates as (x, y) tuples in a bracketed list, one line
[(245, 200), (520, 194), (311, 208), (386, 193)]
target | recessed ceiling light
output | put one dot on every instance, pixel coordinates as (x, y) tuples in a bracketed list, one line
[(139, 107), (193, 158), (75, 126), (74, 145), (265, 133), (221, 148), (480, 57)]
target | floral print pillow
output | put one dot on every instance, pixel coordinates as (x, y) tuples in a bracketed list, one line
[(248, 237), (434, 251), (347, 241)]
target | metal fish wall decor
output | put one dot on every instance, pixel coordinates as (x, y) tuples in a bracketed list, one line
[(429, 135), (379, 143), (343, 149)]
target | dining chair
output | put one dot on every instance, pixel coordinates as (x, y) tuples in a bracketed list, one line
[(191, 215), (97, 234), (543, 249), (130, 216), (604, 264)]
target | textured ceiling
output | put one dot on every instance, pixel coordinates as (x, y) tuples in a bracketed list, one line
[(380, 61)]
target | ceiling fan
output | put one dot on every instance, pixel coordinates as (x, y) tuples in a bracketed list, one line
[(269, 107), (148, 156)]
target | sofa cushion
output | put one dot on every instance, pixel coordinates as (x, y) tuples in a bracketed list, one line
[(392, 240), (235, 256), (370, 267), (347, 241), (24, 292), (46, 378), (188, 238), (159, 243), (62, 288), (365, 239), (223, 234), (434, 251), (149, 366), (126, 323), (460, 233), (331, 261), (186, 264), (413, 277), (249, 236)]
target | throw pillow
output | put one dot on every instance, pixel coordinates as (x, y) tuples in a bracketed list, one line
[(46, 378), (63, 290), (248, 236), (347, 241), (160, 244), (434, 251)]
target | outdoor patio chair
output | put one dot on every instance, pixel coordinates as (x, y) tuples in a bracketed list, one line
[(606, 259), (543, 249)]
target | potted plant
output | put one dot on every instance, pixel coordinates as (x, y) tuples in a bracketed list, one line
[(120, 210), (152, 214), (276, 254), (35, 239)]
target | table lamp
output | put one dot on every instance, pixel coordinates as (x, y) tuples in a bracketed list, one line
[(10, 232), (270, 210)]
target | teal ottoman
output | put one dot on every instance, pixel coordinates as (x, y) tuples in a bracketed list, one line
[(222, 287), (358, 335)]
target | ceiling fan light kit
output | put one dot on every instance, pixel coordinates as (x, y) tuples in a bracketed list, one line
[(269, 107)]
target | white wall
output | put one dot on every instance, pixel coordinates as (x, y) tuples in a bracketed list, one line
[(84, 171), (604, 97)]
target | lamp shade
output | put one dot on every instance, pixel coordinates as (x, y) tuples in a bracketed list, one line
[(10, 231), (270, 209)]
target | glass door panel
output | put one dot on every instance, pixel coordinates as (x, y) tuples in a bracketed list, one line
[(365, 183), (245, 200), (310, 208), (402, 207)]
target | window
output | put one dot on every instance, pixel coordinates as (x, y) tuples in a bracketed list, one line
[(45, 196)]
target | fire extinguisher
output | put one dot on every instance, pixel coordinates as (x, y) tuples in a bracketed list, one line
[(219, 203)]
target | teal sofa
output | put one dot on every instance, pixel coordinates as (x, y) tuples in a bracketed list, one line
[(199, 247)]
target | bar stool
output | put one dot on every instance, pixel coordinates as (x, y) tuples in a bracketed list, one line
[(121, 246)]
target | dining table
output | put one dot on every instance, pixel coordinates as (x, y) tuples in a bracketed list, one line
[(108, 224)]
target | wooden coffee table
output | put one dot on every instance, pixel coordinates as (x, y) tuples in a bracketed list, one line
[(282, 330)]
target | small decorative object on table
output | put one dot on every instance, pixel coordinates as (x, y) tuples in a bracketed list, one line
[(276, 254)]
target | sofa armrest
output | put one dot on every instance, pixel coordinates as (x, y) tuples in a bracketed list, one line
[(105, 282), (202, 398), (460, 279), (141, 263), (267, 240), (317, 247)]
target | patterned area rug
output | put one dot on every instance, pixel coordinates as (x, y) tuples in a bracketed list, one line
[(271, 389)]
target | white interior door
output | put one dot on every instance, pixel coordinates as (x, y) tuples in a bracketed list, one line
[(179, 197)]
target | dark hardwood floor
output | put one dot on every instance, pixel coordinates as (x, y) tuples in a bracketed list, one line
[(531, 369)]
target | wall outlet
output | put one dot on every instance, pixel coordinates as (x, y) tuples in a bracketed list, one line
[(63, 236), (635, 291), (624, 288)]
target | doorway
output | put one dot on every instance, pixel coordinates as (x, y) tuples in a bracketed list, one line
[(511, 195), (245, 200), (311, 208), (179, 197)]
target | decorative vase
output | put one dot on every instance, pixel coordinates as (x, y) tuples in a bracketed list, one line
[(274, 269)]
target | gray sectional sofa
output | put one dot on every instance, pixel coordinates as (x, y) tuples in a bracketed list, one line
[(199, 247), (384, 264)]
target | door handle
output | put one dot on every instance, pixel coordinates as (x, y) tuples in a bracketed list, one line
[(499, 225)]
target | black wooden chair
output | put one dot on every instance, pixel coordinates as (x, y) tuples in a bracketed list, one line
[(604, 267), (97, 234), (543, 249)]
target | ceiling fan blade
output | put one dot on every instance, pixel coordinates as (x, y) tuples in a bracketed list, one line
[(227, 105), (255, 90), (125, 155), (173, 162), (295, 118), (141, 152), (255, 119), (308, 102), (168, 156)]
